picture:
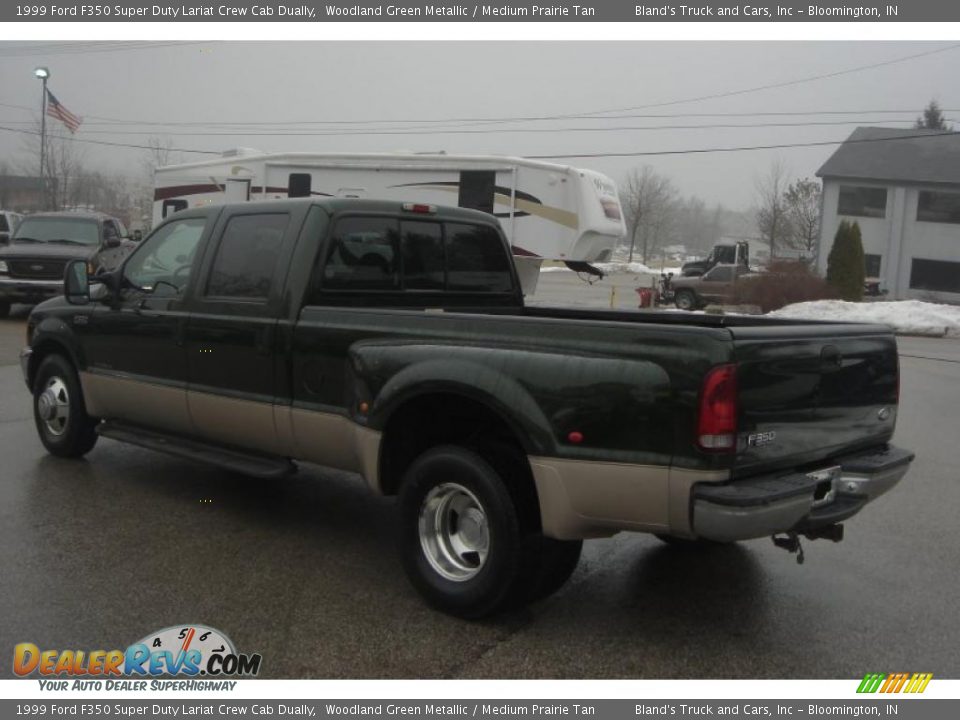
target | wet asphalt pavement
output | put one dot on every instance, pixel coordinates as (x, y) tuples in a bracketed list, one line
[(97, 553)]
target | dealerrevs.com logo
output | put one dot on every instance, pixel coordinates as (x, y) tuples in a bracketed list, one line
[(180, 650)]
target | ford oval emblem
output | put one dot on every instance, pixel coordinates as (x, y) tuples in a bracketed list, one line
[(883, 413), (36, 268)]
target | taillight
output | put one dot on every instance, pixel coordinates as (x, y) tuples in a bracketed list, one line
[(717, 420)]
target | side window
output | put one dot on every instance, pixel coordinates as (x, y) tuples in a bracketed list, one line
[(110, 231), (247, 256), (163, 261), (860, 201), (719, 274), (476, 259), (422, 244), (363, 255)]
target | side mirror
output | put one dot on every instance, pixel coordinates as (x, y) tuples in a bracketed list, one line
[(76, 285), (137, 236)]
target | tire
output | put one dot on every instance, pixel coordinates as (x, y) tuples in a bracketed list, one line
[(685, 300), (59, 412), (4, 309), (468, 543)]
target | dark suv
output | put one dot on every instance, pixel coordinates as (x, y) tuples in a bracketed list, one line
[(31, 266)]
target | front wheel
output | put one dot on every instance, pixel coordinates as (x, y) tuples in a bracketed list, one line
[(468, 543), (4, 309), (685, 300), (59, 412)]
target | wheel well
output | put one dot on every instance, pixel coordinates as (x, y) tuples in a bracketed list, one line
[(452, 419), (41, 352)]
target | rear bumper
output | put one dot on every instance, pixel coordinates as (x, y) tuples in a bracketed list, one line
[(798, 502)]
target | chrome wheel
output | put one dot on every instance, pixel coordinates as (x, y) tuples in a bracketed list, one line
[(454, 532), (53, 406)]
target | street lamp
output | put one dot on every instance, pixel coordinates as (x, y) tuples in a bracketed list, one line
[(43, 74)]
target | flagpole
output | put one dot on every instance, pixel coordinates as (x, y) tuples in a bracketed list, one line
[(43, 74)]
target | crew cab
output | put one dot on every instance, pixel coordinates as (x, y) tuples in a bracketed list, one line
[(392, 340), (32, 264)]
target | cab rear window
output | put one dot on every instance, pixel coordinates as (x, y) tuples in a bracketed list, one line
[(393, 255)]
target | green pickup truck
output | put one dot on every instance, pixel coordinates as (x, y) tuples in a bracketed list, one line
[(391, 339)]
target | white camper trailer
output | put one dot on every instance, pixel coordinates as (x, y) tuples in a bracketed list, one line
[(548, 211)]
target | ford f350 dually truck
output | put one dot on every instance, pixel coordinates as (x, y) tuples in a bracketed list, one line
[(391, 340)]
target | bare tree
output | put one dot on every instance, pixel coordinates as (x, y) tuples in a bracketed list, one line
[(802, 200), (160, 152), (772, 218), (648, 199), (63, 164)]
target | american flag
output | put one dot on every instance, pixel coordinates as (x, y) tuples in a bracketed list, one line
[(58, 111)]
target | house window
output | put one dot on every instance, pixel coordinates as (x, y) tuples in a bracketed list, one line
[(860, 201), (871, 265), (938, 207), (937, 275)]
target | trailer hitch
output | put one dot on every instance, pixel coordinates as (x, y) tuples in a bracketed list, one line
[(791, 541)]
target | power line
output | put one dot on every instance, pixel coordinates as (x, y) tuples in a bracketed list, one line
[(691, 151), (786, 83), (113, 144), (87, 48), (741, 148), (568, 116), (501, 131)]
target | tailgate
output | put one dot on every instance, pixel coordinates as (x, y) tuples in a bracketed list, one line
[(808, 393)]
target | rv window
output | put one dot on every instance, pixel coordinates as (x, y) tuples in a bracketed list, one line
[(422, 255), (476, 190), (299, 185), (247, 256), (476, 259), (362, 255)]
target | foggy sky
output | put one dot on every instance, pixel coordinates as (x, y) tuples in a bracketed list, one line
[(273, 82)]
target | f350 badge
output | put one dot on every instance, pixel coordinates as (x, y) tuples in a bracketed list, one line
[(760, 439)]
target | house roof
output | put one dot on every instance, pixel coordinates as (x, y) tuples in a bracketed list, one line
[(905, 156)]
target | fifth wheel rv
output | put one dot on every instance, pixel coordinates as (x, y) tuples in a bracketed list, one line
[(547, 211)]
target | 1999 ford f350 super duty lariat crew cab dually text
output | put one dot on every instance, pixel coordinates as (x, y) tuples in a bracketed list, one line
[(392, 340)]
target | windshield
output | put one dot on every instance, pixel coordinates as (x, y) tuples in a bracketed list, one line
[(72, 230)]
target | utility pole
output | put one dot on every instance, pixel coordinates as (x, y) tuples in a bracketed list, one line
[(43, 74)]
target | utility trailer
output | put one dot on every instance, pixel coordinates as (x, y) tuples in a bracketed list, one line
[(547, 211)]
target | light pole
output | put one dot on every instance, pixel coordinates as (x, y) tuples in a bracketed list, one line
[(43, 74)]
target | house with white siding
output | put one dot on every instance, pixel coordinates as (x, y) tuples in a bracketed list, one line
[(903, 188)]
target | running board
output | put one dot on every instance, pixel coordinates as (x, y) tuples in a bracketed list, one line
[(265, 467)]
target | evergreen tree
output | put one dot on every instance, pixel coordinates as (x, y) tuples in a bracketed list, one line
[(932, 118), (845, 264)]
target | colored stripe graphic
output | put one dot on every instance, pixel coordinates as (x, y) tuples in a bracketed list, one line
[(894, 682)]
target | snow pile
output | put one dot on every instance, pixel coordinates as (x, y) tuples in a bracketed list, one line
[(909, 317), (627, 268)]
